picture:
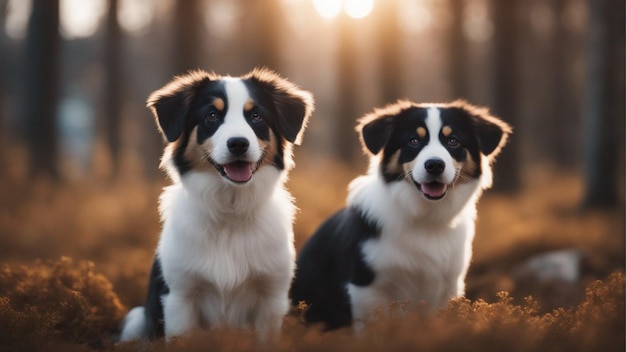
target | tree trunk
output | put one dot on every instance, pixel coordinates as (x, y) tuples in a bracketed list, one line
[(506, 105), (457, 51), (345, 147), (4, 62), (389, 51), (564, 150), (188, 38), (267, 38), (604, 146), (113, 87), (40, 90), (4, 57)]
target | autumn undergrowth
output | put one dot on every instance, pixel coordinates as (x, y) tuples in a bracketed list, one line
[(64, 304), (75, 257)]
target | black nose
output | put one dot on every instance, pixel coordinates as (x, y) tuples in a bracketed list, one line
[(237, 145), (434, 166)]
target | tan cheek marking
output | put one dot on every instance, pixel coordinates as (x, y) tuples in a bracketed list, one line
[(421, 132), (468, 169), (270, 149), (407, 167), (219, 104), (196, 153), (447, 131), (248, 105), (392, 166)]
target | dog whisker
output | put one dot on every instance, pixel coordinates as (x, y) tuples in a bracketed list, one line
[(408, 176)]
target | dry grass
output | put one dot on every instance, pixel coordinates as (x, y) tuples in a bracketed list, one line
[(57, 301), (65, 305), (110, 229)]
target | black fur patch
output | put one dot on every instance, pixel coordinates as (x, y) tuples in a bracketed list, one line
[(393, 130), (188, 102), (154, 307), (330, 260)]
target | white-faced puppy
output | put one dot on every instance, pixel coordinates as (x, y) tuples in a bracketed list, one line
[(226, 254), (406, 233)]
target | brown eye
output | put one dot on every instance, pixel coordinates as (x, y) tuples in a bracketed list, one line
[(256, 117), (453, 142), (212, 116), (414, 142)]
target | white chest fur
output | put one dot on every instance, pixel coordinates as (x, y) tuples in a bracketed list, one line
[(228, 259), (421, 256)]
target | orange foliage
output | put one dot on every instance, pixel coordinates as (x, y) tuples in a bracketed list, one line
[(72, 304), (56, 301)]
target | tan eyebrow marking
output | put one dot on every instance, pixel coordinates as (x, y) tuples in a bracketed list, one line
[(219, 104), (446, 131), (421, 132), (248, 105)]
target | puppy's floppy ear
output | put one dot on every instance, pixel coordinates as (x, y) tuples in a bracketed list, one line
[(375, 132), (293, 106), (491, 132), (170, 104)]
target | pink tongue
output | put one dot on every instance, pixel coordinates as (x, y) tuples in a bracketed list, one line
[(239, 171), (434, 189)]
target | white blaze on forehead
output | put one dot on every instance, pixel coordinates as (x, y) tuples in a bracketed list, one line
[(433, 150), (433, 123), (235, 124), (237, 95)]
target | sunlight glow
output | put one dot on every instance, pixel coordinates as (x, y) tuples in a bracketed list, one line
[(17, 18), (221, 17), (353, 8), (135, 16), (476, 23), (414, 16), (81, 18), (327, 8), (358, 8)]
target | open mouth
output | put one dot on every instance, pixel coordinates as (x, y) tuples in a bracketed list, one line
[(432, 190), (239, 171)]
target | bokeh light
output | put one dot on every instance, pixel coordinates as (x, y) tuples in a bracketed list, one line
[(81, 18), (327, 8), (358, 8), (353, 8)]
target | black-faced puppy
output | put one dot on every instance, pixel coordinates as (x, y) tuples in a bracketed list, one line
[(406, 233), (225, 255)]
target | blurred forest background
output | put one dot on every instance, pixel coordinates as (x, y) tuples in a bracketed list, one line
[(79, 152)]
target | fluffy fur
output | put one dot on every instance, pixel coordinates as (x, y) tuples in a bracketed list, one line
[(225, 255), (406, 233)]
